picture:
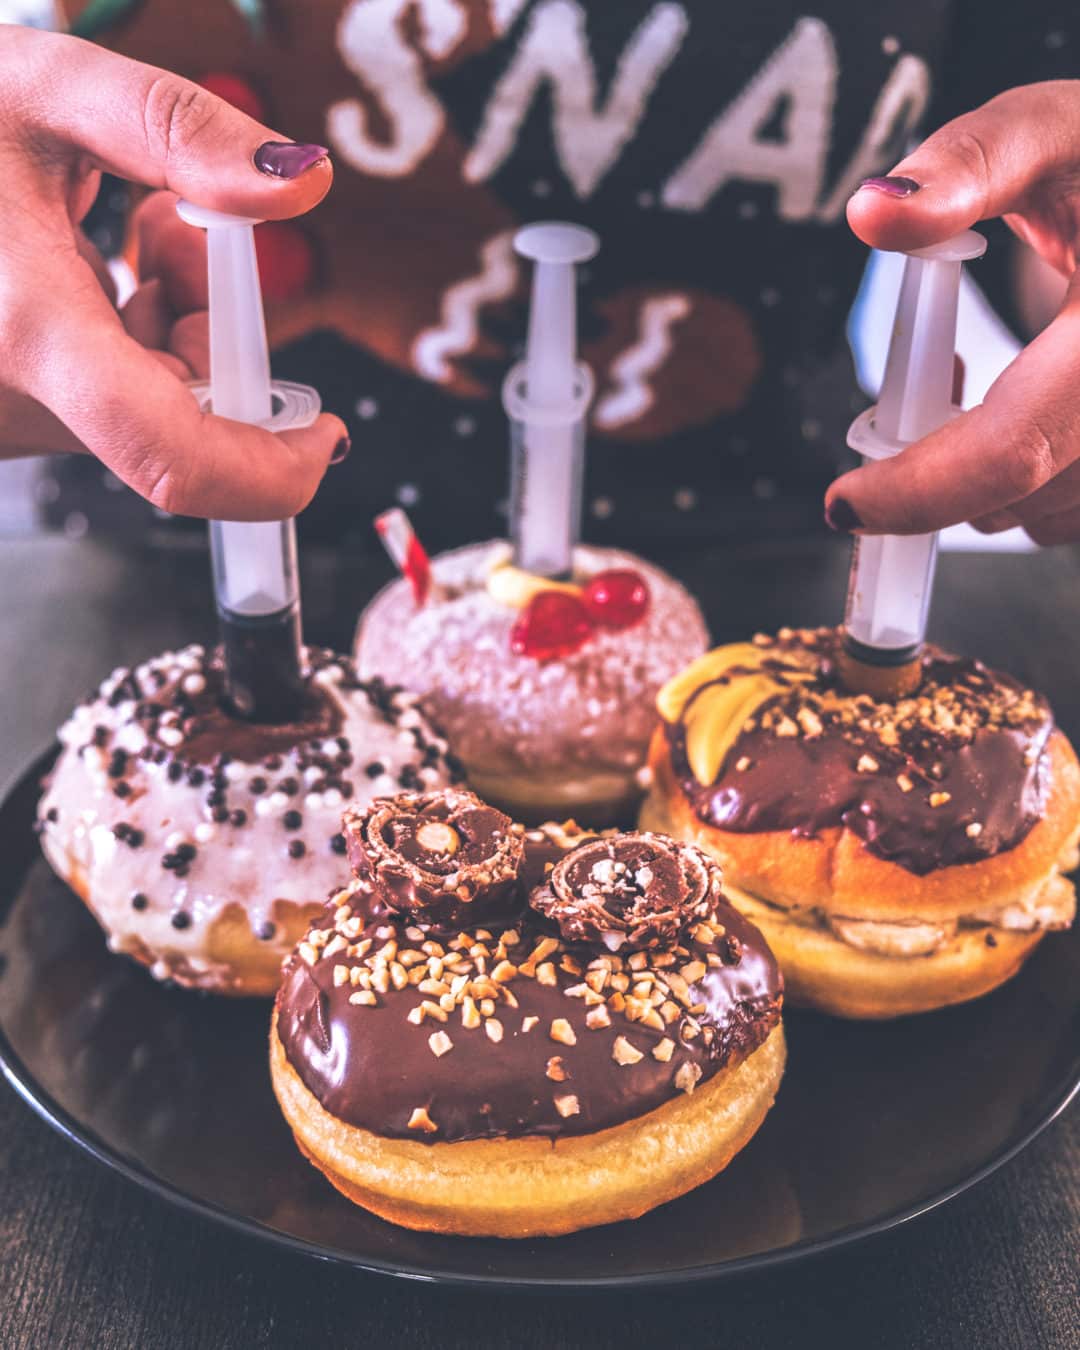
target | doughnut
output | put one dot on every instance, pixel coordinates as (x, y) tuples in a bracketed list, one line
[(205, 844), (609, 1043), (898, 855), (545, 727)]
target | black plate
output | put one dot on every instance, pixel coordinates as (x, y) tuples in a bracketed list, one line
[(874, 1123)]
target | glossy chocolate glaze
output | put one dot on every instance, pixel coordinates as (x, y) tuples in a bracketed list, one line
[(371, 1067), (988, 785), (192, 719)]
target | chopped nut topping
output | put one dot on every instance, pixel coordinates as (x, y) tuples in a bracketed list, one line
[(545, 974), (687, 1076), (341, 976), (743, 763), (867, 764), (494, 1029), (435, 836), (663, 1050), (693, 971), (567, 1106), (563, 1032), (622, 1052), (440, 1043), (974, 830), (420, 1120), (940, 798), (597, 1017), (556, 1070), (903, 782), (528, 1023), (364, 997)]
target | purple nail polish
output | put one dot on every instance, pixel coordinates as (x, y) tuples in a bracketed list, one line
[(287, 159), (341, 450), (841, 516), (891, 187)]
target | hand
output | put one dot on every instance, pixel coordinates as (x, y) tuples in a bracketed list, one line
[(1015, 459), (74, 373)]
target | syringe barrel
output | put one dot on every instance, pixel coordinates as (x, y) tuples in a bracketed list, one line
[(547, 469), (889, 590), (254, 565)]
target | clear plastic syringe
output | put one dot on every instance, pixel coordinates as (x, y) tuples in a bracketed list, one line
[(546, 397), (255, 573), (891, 577)]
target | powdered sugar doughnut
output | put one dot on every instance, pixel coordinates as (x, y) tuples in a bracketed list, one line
[(204, 844), (539, 738)]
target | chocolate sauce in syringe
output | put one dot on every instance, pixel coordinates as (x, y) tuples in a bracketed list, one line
[(263, 678), (255, 574)]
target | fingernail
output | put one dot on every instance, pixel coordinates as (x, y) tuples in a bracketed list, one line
[(341, 450), (841, 516), (891, 187), (287, 159)]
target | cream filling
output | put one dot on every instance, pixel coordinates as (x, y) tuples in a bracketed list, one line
[(1049, 904)]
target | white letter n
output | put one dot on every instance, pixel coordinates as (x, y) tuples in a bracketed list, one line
[(554, 50)]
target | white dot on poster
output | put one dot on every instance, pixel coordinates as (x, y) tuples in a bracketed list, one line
[(602, 507), (685, 499), (408, 494), (763, 488), (367, 408), (76, 525)]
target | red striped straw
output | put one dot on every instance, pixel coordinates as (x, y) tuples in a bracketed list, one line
[(406, 551)]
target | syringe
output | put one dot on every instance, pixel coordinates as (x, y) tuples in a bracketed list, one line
[(891, 577), (255, 573), (546, 397)]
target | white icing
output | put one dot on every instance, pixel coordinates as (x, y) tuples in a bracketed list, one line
[(247, 865), (593, 710)]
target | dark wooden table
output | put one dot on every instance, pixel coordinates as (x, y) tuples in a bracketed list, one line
[(90, 1261)]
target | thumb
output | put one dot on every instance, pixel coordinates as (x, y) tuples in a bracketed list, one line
[(153, 127), (981, 165)]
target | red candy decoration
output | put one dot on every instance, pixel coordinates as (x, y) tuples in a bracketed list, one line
[(553, 624), (617, 599), (235, 89)]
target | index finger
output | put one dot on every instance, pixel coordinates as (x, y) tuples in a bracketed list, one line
[(138, 418), (153, 127), (1024, 433)]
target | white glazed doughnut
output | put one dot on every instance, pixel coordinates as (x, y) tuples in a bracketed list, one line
[(204, 844)]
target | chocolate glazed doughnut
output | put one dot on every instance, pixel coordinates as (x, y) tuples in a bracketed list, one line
[(610, 1047), (899, 855)]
